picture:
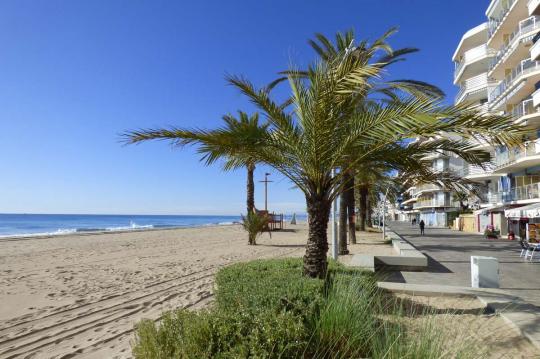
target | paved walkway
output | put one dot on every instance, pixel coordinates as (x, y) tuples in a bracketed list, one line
[(449, 255)]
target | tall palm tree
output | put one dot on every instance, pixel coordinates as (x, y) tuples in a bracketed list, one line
[(324, 130), (379, 54), (233, 142)]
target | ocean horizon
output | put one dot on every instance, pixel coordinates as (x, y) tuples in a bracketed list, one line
[(28, 224)]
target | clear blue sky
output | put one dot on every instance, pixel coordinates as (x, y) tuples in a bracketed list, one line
[(75, 74)]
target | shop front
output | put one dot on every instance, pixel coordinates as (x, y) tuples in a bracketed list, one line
[(491, 217), (524, 222)]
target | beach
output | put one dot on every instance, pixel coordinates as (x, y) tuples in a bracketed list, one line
[(81, 295)]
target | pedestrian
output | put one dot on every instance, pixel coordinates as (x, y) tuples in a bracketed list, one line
[(422, 225), (413, 221)]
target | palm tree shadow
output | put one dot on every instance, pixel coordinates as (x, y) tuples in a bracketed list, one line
[(286, 230), (283, 245)]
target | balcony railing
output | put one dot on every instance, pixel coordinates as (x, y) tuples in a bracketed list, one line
[(425, 188), (495, 22), (436, 203), (472, 55), (511, 155), (532, 5), (523, 108), (525, 26), (475, 170), (487, 196), (530, 191), (477, 82), (524, 67)]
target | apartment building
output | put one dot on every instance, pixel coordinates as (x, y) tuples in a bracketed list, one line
[(497, 68), (431, 203)]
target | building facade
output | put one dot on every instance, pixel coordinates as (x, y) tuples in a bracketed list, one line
[(497, 69), (433, 204)]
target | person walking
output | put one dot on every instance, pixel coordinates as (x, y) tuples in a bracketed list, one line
[(413, 222), (422, 226)]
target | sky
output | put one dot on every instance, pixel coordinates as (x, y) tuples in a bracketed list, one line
[(76, 74)]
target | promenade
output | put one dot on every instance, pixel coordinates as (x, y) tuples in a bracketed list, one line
[(449, 255)]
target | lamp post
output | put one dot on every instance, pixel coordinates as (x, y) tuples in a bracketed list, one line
[(384, 215), (334, 225), (266, 181)]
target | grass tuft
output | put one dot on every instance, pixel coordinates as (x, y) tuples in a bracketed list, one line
[(267, 309)]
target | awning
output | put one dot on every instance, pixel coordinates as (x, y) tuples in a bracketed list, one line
[(530, 211), (487, 210)]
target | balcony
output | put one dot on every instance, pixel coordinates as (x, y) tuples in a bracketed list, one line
[(478, 173), (536, 98), (526, 113), (530, 192), (475, 88), (436, 203), (503, 15), (516, 47), (533, 6), (425, 188), (435, 155), (518, 158), (473, 61), (535, 48), (515, 85)]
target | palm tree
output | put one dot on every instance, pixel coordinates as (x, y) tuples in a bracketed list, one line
[(233, 142), (387, 90), (324, 130)]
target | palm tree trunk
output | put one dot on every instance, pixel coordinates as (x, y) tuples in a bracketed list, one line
[(363, 206), (315, 262), (369, 211), (342, 225), (350, 210), (343, 206), (250, 189)]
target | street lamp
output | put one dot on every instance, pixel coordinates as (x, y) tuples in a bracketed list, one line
[(334, 224), (266, 181), (384, 215)]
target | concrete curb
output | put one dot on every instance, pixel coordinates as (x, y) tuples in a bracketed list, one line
[(409, 258)]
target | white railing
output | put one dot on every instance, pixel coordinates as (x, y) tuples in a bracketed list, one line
[(474, 83), (475, 170), (535, 50), (524, 67), (508, 156), (530, 191), (532, 5), (523, 108), (525, 27), (536, 98), (435, 203), (425, 188), (496, 21), (471, 55)]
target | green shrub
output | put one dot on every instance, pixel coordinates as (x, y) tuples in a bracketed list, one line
[(268, 309), (255, 224), (276, 285)]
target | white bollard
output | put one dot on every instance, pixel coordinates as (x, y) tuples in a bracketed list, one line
[(484, 272)]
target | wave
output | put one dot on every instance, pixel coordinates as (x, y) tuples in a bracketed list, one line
[(131, 227)]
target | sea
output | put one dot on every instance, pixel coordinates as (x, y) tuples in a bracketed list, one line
[(23, 225)]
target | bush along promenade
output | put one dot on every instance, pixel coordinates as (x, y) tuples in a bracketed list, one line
[(268, 309)]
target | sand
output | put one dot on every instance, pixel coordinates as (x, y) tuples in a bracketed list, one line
[(465, 324), (80, 295)]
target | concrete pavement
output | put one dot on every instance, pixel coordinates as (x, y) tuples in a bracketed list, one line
[(449, 255), (449, 273)]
